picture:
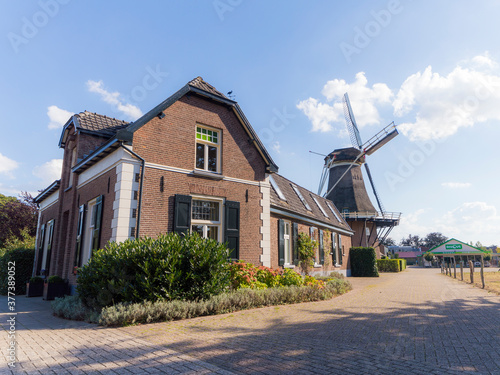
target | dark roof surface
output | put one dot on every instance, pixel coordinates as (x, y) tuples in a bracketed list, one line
[(199, 83), (99, 123), (294, 204)]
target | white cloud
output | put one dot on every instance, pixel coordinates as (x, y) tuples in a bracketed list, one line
[(277, 147), (58, 117), (456, 185), (440, 105), (363, 102), (49, 171), (131, 111), (7, 165)]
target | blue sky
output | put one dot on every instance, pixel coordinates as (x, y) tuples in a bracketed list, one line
[(432, 67)]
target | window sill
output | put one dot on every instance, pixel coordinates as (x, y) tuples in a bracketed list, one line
[(212, 175), (291, 266), (317, 265)]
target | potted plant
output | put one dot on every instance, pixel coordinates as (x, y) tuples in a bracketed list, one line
[(54, 286), (34, 288)]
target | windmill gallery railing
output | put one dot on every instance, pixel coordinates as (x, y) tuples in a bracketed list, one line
[(392, 216)]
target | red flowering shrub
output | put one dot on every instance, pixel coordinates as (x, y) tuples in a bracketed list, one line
[(246, 275)]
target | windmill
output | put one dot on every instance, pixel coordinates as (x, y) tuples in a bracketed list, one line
[(346, 187)]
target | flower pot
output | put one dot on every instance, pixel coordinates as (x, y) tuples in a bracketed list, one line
[(34, 289), (53, 290)]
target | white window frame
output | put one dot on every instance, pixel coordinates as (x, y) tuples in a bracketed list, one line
[(208, 223), (88, 231), (49, 227), (287, 240), (207, 143)]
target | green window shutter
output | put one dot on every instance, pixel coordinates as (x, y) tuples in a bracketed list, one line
[(50, 234), (321, 249), (79, 237), (340, 249), (334, 248), (96, 235), (232, 229), (281, 242), (182, 214), (40, 249), (295, 243)]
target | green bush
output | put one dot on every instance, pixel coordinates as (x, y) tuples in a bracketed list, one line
[(36, 280), (71, 307), (388, 265), (54, 279), (402, 264), (145, 269), (363, 262), (246, 298), (21, 260), (306, 249)]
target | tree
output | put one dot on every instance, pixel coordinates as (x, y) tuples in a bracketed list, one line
[(434, 239), (414, 241), (389, 242), (16, 217)]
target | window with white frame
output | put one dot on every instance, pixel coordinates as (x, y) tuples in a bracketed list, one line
[(207, 149), (206, 218), (287, 242)]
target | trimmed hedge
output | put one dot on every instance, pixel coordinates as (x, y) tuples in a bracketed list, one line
[(145, 269), (363, 262), (23, 259), (388, 265), (402, 264)]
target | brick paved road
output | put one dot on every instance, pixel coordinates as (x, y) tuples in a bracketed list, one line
[(416, 322)]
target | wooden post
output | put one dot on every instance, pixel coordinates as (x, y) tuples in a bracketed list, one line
[(482, 270), (471, 268), (462, 270), (449, 267), (454, 268)]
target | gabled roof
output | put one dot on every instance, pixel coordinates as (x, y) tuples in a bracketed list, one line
[(199, 87), (92, 123), (294, 206), (52, 188), (456, 247)]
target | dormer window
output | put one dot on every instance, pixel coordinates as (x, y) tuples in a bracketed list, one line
[(207, 149)]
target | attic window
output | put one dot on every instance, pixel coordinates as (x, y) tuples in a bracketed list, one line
[(333, 211), (320, 207), (277, 188), (301, 197)]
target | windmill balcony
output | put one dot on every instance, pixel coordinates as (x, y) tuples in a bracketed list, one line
[(392, 216)]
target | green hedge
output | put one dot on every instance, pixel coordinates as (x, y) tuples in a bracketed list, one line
[(388, 265), (363, 262), (23, 261), (145, 269), (402, 264)]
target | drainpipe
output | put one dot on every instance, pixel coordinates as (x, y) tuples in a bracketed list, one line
[(139, 203)]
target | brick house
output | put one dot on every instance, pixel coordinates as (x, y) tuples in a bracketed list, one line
[(192, 163)]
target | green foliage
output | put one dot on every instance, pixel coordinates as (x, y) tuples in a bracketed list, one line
[(291, 278), (145, 269), (363, 262), (54, 279), (246, 298), (71, 307), (21, 261), (402, 264), (487, 257), (247, 275), (306, 249), (36, 280), (388, 265), (428, 256), (17, 216)]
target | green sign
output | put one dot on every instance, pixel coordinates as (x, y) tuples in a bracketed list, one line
[(454, 246)]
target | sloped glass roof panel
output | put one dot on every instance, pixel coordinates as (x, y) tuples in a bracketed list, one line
[(296, 189), (277, 188)]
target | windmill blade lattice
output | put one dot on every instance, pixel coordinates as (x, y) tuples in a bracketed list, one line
[(351, 123), (379, 201)]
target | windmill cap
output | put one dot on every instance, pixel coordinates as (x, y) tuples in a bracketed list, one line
[(347, 154)]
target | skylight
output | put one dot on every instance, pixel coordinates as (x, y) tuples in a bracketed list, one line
[(333, 211), (277, 188), (301, 197), (320, 207)]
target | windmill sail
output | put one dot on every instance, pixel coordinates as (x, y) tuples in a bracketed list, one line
[(379, 201), (351, 123), (380, 139)]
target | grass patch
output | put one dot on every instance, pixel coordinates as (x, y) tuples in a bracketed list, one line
[(491, 280), (123, 314)]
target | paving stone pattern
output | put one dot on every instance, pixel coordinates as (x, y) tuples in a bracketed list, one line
[(415, 322)]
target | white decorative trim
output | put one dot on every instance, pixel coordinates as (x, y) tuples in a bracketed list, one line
[(124, 202), (265, 216), (189, 171), (108, 163), (49, 201)]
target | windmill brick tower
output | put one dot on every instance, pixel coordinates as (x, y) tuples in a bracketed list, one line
[(346, 186)]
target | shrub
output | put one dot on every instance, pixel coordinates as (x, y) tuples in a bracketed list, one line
[(148, 312), (169, 267), (54, 279), (306, 249), (36, 280), (22, 258), (290, 277), (388, 265), (71, 307), (363, 262), (428, 256), (402, 264)]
